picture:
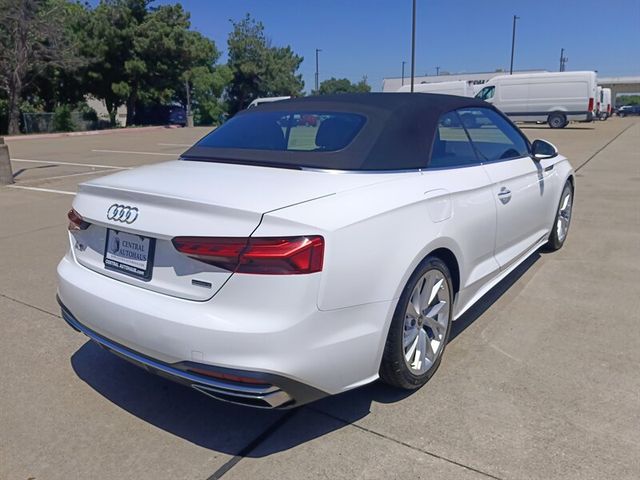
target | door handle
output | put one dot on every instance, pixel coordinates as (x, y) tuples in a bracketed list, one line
[(504, 195)]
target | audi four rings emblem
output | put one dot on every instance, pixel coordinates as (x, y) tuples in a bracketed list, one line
[(122, 213)]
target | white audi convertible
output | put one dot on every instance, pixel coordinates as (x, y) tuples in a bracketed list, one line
[(310, 246)]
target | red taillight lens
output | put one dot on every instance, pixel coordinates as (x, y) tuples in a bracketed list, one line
[(268, 256), (76, 222), (590, 107)]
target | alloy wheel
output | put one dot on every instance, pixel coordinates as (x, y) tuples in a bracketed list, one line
[(564, 215), (426, 321)]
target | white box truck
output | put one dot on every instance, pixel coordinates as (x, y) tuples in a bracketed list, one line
[(605, 104), (457, 87), (554, 97)]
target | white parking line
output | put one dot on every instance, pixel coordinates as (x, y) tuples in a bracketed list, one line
[(58, 177), (175, 144), (51, 162), (37, 189), (137, 153)]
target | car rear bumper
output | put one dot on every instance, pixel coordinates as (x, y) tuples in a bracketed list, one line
[(273, 391), (277, 336)]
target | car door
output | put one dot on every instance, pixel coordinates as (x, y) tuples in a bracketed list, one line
[(519, 184), (458, 193)]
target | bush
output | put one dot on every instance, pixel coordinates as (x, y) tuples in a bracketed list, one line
[(62, 121)]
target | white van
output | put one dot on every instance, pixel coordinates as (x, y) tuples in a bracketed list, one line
[(553, 97), (605, 104), (459, 87)]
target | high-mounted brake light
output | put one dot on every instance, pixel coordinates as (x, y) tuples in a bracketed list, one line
[(267, 256), (76, 222), (590, 107)]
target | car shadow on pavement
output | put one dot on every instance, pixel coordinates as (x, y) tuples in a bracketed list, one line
[(229, 428)]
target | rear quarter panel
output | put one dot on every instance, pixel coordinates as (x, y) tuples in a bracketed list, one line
[(376, 236)]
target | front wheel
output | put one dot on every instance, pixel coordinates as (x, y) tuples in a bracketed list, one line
[(420, 327), (562, 221)]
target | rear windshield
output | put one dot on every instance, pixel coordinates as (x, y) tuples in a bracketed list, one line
[(286, 131)]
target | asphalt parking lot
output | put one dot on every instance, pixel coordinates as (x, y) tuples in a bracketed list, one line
[(541, 380)]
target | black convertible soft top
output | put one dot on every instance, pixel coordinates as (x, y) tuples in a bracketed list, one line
[(397, 135)]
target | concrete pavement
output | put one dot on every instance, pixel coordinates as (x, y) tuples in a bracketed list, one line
[(540, 380)]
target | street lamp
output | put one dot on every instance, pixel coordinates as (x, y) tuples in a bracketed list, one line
[(403, 62), (513, 42), (413, 45), (317, 87)]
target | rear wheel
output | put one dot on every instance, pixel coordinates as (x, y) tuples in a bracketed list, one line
[(562, 221), (420, 327), (557, 120)]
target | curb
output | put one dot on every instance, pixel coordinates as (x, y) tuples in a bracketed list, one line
[(89, 132)]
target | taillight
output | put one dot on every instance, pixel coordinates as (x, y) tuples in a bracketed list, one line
[(268, 256), (76, 222), (590, 107)]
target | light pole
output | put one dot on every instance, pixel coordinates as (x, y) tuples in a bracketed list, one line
[(437, 71), (317, 86), (513, 42), (413, 45), (403, 62), (563, 60)]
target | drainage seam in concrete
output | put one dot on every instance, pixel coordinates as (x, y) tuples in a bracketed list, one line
[(29, 305), (404, 444), (604, 146), (251, 446)]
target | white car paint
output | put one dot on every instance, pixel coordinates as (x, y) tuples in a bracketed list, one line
[(324, 330)]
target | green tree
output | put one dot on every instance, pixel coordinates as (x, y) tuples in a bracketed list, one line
[(259, 69), (32, 39), (343, 85)]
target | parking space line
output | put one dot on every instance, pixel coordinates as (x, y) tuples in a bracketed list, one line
[(50, 162), (136, 153), (38, 189), (58, 177), (175, 144)]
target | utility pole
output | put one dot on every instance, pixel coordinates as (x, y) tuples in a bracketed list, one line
[(413, 45), (437, 71), (563, 60), (403, 62), (513, 42), (317, 85)]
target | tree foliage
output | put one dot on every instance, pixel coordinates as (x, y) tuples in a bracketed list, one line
[(56, 53), (257, 68), (343, 85), (32, 40)]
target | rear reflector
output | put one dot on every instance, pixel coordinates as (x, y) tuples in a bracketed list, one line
[(227, 376), (267, 256), (590, 107), (76, 221)]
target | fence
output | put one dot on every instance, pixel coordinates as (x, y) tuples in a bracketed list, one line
[(47, 122)]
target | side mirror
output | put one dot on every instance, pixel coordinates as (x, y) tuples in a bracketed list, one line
[(541, 150)]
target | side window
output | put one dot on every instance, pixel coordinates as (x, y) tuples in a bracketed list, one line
[(451, 146), (486, 93), (493, 137)]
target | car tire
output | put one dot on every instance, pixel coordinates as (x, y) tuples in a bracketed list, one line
[(562, 220), (420, 327), (557, 120)]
